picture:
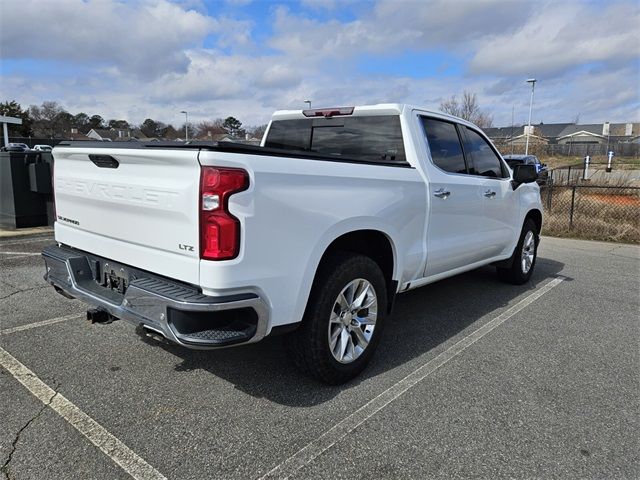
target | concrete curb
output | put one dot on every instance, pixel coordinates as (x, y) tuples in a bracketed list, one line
[(26, 232)]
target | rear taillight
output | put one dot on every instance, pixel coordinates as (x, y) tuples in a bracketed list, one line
[(219, 230)]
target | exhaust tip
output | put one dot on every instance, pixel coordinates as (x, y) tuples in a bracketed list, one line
[(62, 292), (148, 333)]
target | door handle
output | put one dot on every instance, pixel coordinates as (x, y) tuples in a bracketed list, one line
[(442, 193), (489, 193)]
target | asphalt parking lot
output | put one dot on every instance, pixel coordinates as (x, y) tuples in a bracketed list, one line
[(474, 378)]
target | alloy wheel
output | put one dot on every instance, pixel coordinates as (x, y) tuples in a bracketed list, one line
[(528, 252), (352, 320)]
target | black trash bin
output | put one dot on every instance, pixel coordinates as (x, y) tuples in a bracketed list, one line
[(25, 189)]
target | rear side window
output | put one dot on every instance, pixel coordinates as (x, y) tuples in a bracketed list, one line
[(444, 143), (368, 139), (485, 160)]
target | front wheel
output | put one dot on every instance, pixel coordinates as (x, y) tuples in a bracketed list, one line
[(343, 321), (524, 256)]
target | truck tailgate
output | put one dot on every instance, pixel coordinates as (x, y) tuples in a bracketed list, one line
[(138, 206)]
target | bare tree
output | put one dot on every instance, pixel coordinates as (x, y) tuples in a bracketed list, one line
[(450, 106), (467, 108), (208, 127), (257, 131), (44, 118)]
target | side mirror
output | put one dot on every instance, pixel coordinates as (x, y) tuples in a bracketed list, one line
[(524, 174)]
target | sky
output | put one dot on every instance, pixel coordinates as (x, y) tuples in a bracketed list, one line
[(142, 59)]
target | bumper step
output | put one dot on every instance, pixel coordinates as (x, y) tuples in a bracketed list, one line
[(180, 312)]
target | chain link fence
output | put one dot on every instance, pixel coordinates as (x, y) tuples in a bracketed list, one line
[(621, 149), (620, 174), (595, 212)]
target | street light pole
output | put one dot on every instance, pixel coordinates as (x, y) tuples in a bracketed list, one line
[(186, 125), (309, 102), (513, 117), (532, 81)]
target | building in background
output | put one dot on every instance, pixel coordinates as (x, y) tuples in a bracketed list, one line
[(569, 138)]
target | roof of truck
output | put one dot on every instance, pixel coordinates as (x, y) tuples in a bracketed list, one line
[(378, 109)]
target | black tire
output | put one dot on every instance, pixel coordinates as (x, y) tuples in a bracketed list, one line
[(309, 346), (516, 274)]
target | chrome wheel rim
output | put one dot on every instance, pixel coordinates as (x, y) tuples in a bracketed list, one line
[(528, 252), (352, 320)]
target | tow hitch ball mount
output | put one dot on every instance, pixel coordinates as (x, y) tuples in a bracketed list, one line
[(99, 315)]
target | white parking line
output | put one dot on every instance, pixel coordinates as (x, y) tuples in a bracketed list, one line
[(43, 323), (117, 451), (20, 253), (328, 439)]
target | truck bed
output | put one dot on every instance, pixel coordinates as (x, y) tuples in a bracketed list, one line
[(229, 147)]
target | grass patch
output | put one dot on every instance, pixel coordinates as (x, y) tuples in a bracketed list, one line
[(609, 214), (619, 163)]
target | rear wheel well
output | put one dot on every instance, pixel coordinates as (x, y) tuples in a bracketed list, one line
[(373, 244)]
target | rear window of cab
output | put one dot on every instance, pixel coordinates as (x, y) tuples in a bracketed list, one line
[(369, 139)]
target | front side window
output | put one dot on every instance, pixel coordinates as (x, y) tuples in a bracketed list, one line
[(485, 161), (444, 143), (368, 139)]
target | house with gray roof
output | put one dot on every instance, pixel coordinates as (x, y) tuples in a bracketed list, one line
[(567, 133), (599, 133), (117, 135)]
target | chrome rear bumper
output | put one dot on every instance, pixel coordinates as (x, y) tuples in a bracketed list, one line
[(177, 311)]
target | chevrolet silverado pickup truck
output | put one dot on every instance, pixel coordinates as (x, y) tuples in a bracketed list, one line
[(312, 234)]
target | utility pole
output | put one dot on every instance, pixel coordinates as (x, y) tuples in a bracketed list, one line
[(513, 114), (186, 125)]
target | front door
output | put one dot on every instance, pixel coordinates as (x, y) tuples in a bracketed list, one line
[(455, 202), (500, 201)]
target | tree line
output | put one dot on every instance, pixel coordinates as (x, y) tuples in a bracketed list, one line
[(51, 120)]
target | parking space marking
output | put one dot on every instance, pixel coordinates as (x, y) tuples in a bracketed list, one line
[(328, 439), (117, 451), (43, 323), (20, 253)]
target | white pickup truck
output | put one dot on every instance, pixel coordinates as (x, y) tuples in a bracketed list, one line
[(311, 234)]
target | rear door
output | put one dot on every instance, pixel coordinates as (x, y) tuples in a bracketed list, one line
[(455, 221), (138, 206)]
